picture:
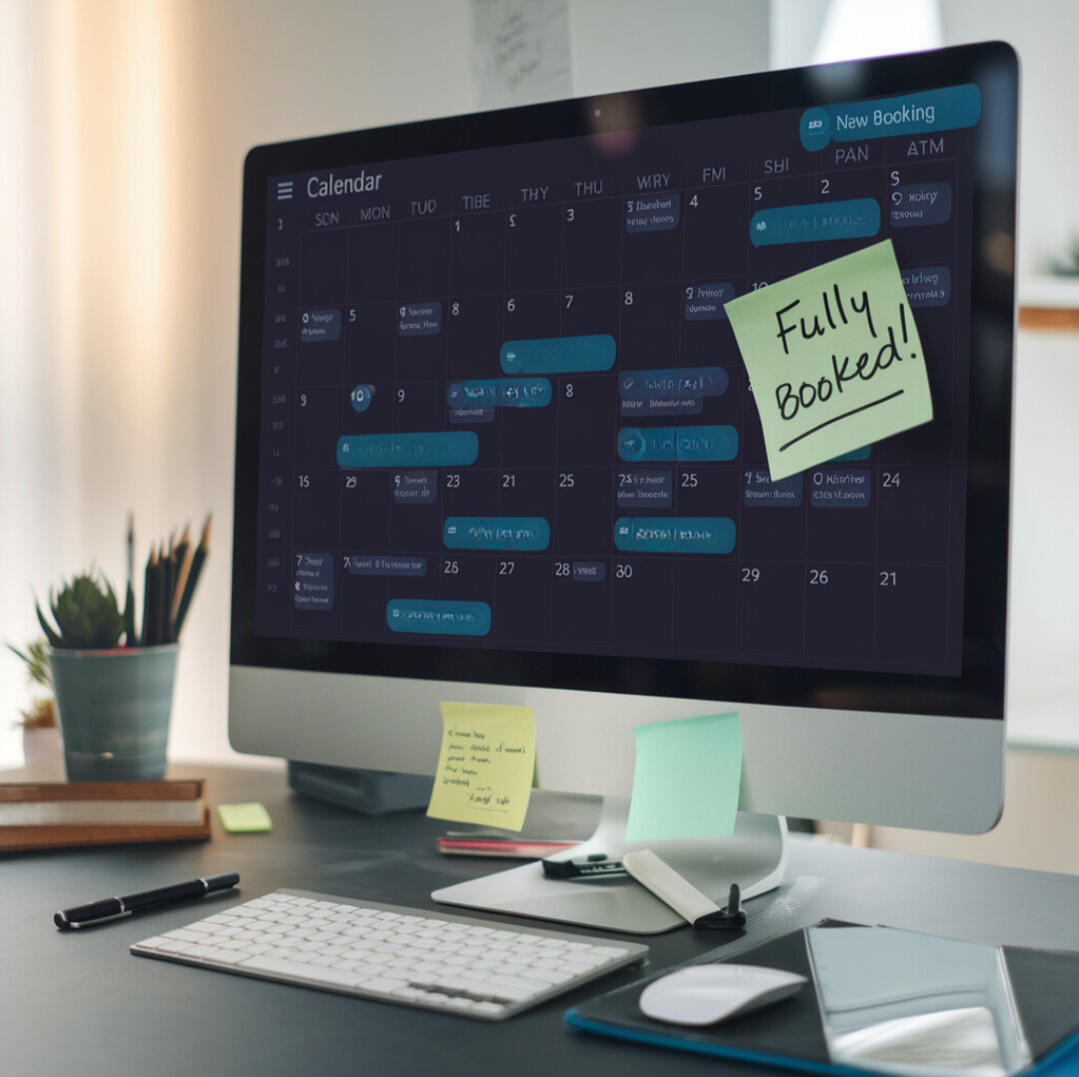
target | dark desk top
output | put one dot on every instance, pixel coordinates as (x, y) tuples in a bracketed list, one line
[(79, 1003)]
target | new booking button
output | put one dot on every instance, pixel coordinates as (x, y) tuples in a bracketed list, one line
[(910, 114)]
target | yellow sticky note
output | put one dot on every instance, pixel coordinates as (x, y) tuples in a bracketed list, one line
[(834, 359), (485, 766), (687, 778), (244, 818)]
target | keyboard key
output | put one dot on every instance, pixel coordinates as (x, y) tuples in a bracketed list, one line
[(610, 951), (265, 963), (183, 935), (384, 985), (459, 1003), (174, 946)]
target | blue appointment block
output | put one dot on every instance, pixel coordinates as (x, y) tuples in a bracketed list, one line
[(455, 448), (840, 487), (420, 319), (815, 222), (677, 443), (705, 302), (919, 204), (313, 583), (320, 325), (522, 533), (438, 617), (500, 393), (684, 382), (653, 213), (854, 454), (928, 286), (674, 534), (558, 355), (370, 564), (758, 491)]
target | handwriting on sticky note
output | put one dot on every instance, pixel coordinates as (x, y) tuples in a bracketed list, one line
[(834, 358), (485, 765), (686, 779)]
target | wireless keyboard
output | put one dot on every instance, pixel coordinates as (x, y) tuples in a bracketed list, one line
[(393, 954)]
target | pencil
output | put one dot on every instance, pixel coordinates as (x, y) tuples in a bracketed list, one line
[(181, 552), (184, 558), (131, 549), (146, 587), (168, 572), (151, 613), (192, 581), (129, 598)]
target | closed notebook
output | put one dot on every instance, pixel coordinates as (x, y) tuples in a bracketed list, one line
[(883, 1001), (44, 815)]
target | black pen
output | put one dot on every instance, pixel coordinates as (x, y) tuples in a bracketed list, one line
[(99, 912)]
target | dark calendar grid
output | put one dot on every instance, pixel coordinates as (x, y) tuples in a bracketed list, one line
[(871, 587)]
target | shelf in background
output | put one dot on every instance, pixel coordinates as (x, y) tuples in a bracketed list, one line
[(1048, 302)]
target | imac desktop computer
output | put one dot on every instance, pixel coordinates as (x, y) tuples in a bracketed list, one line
[(496, 443)]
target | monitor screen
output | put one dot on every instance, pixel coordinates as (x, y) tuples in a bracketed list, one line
[(504, 431)]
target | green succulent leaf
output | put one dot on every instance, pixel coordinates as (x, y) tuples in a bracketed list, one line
[(87, 615), (50, 633), (36, 658)]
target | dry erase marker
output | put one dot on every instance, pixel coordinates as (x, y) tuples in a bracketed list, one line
[(100, 912)]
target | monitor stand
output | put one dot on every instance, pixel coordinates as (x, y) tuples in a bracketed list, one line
[(755, 857)]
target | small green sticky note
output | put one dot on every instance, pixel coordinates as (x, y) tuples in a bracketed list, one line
[(244, 818), (834, 358), (687, 778)]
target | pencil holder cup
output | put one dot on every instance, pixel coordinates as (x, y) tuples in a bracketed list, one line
[(114, 708)]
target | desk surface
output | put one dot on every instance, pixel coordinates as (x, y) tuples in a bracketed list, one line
[(79, 1003)]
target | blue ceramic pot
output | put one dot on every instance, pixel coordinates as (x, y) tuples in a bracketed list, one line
[(114, 709)]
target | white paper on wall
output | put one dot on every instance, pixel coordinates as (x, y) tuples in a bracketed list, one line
[(520, 51)]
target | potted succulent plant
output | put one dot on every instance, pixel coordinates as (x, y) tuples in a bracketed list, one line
[(40, 733), (113, 683), (114, 701)]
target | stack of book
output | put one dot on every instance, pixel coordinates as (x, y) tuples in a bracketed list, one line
[(50, 815)]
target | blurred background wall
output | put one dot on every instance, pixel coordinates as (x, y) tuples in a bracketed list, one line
[(124, 125)]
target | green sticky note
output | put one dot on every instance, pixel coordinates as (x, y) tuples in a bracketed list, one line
[(834, 359), (687, 778), (244, 818)]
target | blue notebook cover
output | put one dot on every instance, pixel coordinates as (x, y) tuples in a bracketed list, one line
[(1043, 989)]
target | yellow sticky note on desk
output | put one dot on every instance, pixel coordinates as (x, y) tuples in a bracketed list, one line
[(687, 779), (834, 359), (485, 765)]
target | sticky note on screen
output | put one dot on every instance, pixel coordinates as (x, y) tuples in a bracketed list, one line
[(834, 358), (248, 818), (687, 778), (485, 765)]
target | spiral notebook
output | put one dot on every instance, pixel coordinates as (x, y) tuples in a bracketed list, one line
[(883, 1001)]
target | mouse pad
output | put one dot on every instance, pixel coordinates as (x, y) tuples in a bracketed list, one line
[(990, 1009)]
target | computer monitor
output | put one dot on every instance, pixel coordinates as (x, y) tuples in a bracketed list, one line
[(495, 439)]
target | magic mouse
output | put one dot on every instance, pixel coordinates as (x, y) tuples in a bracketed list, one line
[(705, 994)]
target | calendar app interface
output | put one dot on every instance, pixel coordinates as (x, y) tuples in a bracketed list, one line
[(502, 405)]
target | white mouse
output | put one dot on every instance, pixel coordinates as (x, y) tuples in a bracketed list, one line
[(705, 994)]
